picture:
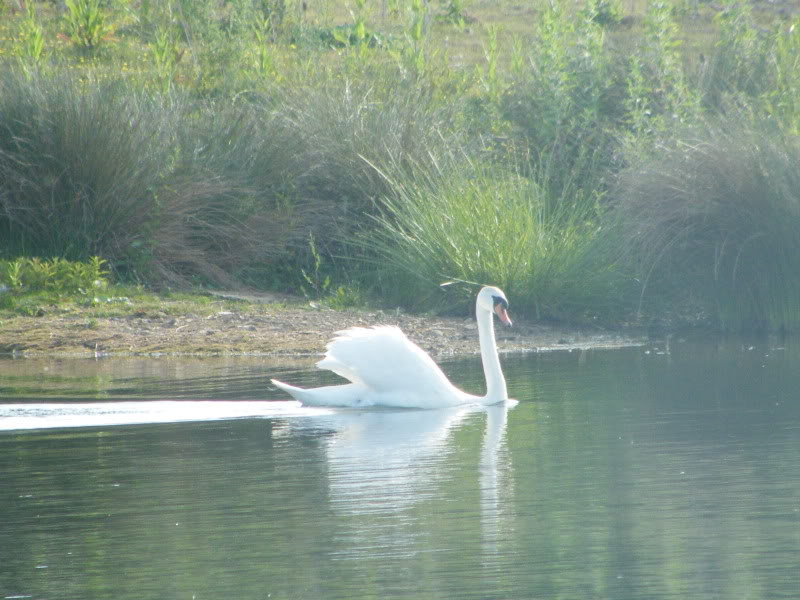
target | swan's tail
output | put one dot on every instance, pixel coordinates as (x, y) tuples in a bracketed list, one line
[(296, 392), (333, 395)]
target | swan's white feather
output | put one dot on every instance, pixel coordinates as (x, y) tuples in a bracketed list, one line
[(385, 368), (330, 395), (382, 358)]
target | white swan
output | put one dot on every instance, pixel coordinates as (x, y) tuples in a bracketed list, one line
[(385, 368)]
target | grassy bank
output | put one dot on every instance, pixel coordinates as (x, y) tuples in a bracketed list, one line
[(605, 162)]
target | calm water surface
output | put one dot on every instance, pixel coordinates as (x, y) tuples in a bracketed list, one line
[(625, 474)]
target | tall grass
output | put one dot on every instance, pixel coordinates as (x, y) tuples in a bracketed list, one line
[(352, 128), (228, 201), (713, 215), (349, 122), (162, 188), (78, 167), (484, 225)]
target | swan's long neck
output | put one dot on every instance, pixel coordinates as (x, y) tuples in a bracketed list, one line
[(495, 382)]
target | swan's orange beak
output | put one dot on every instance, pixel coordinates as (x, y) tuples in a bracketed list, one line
[(500, 310)]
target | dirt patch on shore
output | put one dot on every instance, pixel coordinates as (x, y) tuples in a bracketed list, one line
[(267, 325)]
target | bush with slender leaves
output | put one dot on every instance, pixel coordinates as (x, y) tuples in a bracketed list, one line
[(712, 215), (160, 186), (78, 167), (494, 226)]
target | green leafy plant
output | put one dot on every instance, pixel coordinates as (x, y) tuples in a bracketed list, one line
[(13, 273), (167, 53), (263, 31), (31, 51), (86, 23), (454, 13), (604, 12), (563, 106), (319, 283), (55, 275), (415, 53)]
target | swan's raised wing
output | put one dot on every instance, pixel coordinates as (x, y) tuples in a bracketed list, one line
[(383, 359)]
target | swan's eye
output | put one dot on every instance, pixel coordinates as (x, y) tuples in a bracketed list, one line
[(501, 301)]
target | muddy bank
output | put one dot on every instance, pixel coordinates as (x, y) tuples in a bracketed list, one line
[(258, 325)]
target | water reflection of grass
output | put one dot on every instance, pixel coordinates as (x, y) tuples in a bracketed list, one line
[(54, 386)]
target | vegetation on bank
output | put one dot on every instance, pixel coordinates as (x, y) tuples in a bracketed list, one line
[(603, 161)]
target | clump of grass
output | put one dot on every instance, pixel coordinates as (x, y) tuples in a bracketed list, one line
[(713, 215), (352, 121), (493, 226), (78, 166), (229, 203), (350, 126), (163, 188)]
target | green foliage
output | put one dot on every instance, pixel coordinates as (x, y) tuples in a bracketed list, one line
[(604, 12), (739, 64), (76, 172), (564, 105), (414, 52), (31, 52), (659, 96), (492, 226), (491, 78), (163, 189), (167, 53), (225, 135), (55, 275), (783, 99), (350, 129), (454, 12), (86, 23), (713, 217), (319, 283), (262, 30)]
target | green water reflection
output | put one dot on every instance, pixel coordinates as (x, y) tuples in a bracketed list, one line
[(630, 474)]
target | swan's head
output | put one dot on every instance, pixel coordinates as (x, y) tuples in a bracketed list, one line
[(492, 299)]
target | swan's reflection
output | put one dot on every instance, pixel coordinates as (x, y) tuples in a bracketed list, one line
[(386, 468), (496, 487), (388, 459)]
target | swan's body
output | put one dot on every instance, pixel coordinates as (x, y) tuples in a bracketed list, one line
[(385, 368)]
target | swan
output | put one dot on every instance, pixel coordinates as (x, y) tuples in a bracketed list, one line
[(385, 368)]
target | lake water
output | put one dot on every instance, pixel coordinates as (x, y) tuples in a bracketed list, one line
[(620, 474)]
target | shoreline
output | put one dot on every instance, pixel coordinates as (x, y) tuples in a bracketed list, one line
[(268, 326)]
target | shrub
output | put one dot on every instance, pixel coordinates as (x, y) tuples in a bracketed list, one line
[(78, 167), (161, 187), (348, 126), (57, 275), (713, 214), (493, 226), (565, 103)]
